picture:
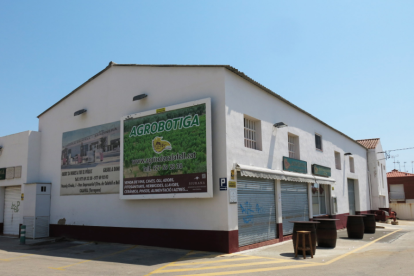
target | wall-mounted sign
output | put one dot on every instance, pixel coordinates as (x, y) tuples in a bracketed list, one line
[(321, 170), (232, 184), (168, 154), (10, 173), (90, 160), (294, 165), (223, 184), (2, 173), (22, 196)]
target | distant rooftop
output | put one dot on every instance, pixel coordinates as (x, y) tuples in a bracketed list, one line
[(397, 173), (369, 143)]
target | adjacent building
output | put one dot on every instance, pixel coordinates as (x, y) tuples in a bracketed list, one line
[(401, 193), (196, 157)]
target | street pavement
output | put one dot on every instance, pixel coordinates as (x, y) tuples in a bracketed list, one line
[(389, 251)]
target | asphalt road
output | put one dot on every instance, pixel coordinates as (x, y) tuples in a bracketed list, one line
[(388, 252)]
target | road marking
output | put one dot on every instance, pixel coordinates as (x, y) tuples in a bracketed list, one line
[(220, 266), (155, 271), (219, 261), (357, 249), (97, 258), (292, 266)]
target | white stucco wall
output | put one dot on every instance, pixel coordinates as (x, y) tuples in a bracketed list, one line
[(244, 98), (379, 185), (21, 149), (107, 99)]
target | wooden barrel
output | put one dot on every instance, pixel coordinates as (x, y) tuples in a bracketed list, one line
[(305, 226), (369, 223), (326, 234), (355, 227)]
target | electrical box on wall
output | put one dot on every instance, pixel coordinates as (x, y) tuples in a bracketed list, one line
[(37, 209)]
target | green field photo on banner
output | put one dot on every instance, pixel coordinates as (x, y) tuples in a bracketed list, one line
[(169, 143)]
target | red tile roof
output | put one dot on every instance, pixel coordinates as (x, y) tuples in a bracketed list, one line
[(369, 143), (397, 173)]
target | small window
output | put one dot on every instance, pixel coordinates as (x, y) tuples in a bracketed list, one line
[(252, 133), (351, 165), (43, 188), (318, 141), (293, 146), (337, 160)]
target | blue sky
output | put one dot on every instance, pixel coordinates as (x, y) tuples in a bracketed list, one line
[(349, 63)]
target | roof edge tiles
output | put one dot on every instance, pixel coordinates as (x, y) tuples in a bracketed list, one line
[(369, 143), (397, 173), (228, 67)]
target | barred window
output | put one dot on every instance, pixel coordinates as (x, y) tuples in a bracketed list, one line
[(252, 133), (249, 134), (293, 146)]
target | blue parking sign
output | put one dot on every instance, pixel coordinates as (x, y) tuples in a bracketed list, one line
[(223, 184)]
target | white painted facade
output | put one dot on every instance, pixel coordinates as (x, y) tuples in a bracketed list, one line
[(108, 97), (378, 177), (20, 149)]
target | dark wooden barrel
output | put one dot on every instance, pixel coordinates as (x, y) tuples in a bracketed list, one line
[(355, 227), (369, 223), (326, 234), (305, 226)]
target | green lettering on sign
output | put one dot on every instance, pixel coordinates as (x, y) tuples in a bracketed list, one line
[(294, 165), (321, 170)]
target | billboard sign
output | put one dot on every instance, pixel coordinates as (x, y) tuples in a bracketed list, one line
[(90, 160), (166, 153)]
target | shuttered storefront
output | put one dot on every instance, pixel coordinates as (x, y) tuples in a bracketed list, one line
[(256, 210), (295, 205), (12, 210)]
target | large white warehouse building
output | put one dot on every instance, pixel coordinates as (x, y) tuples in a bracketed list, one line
[(195, 157)]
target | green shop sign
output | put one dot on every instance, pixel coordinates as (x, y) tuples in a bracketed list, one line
[(2, 173), (295, 165), (321, 170)]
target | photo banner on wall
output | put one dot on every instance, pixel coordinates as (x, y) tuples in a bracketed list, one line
[(90, 160), (166, 153)]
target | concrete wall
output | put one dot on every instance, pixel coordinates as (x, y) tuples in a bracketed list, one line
[(404, 210), (108, 98), (244, 98)]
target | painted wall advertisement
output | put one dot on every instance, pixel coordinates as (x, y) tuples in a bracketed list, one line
[(90, 160), (167, 152)]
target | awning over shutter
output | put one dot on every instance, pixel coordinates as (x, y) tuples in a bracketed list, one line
[(252, 171)]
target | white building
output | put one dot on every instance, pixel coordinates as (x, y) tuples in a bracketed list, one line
[(324, 173)]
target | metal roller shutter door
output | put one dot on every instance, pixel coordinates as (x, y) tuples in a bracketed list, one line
[(295, 206), (256, 210), (12, 211)]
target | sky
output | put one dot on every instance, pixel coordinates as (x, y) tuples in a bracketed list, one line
[(349, 63)]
